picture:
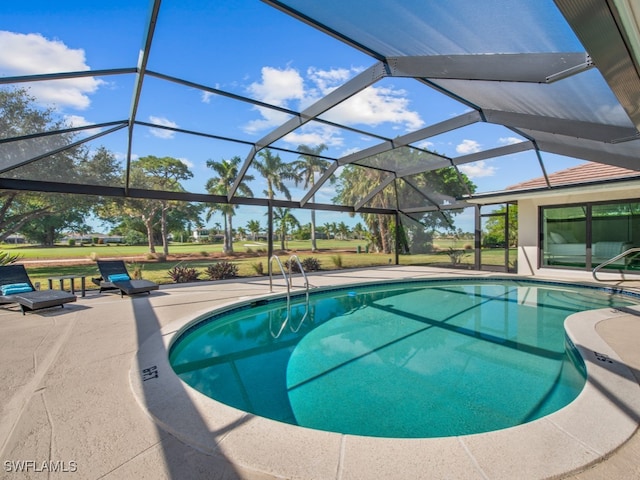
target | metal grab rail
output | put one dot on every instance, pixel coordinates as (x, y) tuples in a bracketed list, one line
[(611, 260), (289, 281), (306, 286), (284, 274)]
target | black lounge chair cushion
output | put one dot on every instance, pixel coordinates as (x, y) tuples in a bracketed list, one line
[(38, 299), (110, 269), (14, 278)]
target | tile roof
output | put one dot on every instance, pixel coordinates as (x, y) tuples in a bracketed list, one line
[(587, 172)]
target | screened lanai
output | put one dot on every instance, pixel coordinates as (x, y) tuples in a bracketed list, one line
[(492, 93)]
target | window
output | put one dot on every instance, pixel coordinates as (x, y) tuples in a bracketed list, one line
[(586, 235)]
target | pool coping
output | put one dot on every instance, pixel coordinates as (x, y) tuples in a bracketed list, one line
[(602, 418)]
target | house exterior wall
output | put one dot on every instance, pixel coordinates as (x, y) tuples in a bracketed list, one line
[(529, 222)]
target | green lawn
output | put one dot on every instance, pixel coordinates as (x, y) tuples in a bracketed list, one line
[(36, 252), (332, 254)]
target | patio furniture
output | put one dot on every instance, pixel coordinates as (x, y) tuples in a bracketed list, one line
[(16, 287), (115, 276), (71, 279)]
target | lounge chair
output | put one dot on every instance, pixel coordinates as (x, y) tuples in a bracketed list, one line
[(116, 277), (16, 287)]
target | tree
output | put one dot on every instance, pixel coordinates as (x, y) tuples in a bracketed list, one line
[(359, 230), (417, 190), (227, 171), (494, 228), (68, 213), (164, 173), (355, 184), (284, 219), (274, 171), (343, 230), (153, 218), (254, 227), (330, 229), (308, 165), (20, 117)]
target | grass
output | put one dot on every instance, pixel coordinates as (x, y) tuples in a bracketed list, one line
[(200, 256)]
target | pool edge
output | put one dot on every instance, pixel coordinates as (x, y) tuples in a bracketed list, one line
[(555, 445)]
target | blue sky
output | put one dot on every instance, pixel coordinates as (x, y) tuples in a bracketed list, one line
[(241, 46)]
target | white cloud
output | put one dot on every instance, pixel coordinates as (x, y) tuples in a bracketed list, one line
[(28, 54), (120, 156), (426, 145), (80, 121), (188, 163), (315, 135), (478, 169), (287, 88), (278, 87), (376, 105), (270, 119), (468, 146), (206, 97), (327, 80), (161, 133), (76, 121), (509, 140)]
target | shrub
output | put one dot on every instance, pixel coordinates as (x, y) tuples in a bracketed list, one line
[(291, 266), (204, 253), (72, 242), (456, 256), (310, 264), (258, 268), (134, 238), (7, 258), (337, 260), (183, 274), (136, 269), (222, 270)]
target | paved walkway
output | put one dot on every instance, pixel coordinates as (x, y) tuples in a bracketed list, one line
[(67, 405)]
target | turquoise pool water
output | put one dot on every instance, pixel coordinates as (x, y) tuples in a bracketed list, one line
[(410, 359)]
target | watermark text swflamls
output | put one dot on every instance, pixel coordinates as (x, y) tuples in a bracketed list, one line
[(24, 466)]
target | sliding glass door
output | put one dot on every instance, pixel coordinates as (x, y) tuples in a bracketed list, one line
[(586, 235)]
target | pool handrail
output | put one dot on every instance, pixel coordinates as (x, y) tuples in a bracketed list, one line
[(611, 260), (284, 274), (306, 286)]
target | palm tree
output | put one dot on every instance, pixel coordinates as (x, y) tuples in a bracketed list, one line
[(274, 170), (343, 230), (227, 171), (254, 227), (330, 228), (356, 183), (308, 166), (359, 230), (284, 219)]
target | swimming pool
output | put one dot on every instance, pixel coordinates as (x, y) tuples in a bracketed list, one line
[(403, 359)]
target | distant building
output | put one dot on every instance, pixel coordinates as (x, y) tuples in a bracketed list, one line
[(90, 238), (15, 239), (200, 235)]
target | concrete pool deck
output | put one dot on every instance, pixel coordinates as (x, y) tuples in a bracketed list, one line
[(74, 398)]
